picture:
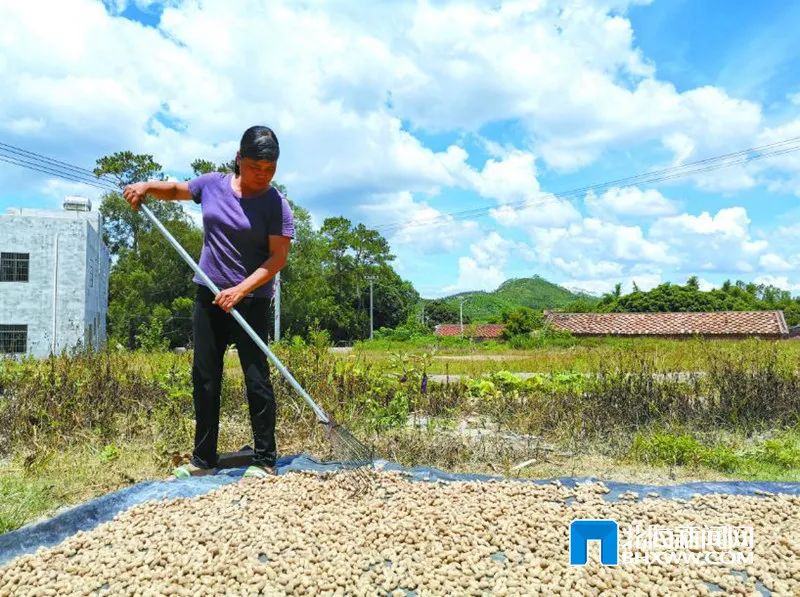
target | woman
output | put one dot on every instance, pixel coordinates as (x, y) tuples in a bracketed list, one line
[(248, 227)]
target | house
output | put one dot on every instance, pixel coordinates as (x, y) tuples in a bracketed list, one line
[(719, 324), (486, 331), (54, 270)]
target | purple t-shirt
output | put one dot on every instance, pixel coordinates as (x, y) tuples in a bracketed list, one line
[(236, 229)]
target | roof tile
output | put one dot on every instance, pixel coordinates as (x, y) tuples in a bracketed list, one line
[(718, 323), (489, 330)]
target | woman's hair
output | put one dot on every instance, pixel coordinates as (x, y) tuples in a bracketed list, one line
[(258, 143)]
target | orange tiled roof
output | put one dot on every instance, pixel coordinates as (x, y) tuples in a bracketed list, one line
[(488, 330), (718, 323)]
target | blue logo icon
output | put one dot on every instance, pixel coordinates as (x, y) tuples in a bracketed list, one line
[(581, 531)]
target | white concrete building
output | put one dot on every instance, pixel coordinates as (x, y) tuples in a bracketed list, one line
[(54, 271)]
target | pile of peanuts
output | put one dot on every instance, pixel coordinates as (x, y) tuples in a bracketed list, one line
[(304, 533)]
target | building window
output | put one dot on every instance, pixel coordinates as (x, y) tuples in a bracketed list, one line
[(13, 339), (14, 267)]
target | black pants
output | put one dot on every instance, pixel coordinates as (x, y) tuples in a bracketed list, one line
[(213, 331)]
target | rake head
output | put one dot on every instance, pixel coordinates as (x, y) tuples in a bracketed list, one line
[(351, 454)]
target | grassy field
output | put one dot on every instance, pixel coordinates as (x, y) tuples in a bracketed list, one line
[(580, 354), (72, 428)]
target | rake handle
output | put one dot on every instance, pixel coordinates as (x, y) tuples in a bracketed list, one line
[(321, 415)]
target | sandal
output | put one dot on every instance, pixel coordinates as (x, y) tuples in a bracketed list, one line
[(257, 471), (192, 470)]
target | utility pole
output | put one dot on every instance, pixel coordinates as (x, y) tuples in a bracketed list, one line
[(461, 315), (277, 306), (371, 280)]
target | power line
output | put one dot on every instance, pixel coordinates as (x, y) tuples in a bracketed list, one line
[(706, 165), (641, 179), (18, 156), (656, 176), (46, 169), (13, 149)]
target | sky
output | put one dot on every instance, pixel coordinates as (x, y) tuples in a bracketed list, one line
[(457, 129)]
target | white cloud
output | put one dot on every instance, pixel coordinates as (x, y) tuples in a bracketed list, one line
[(595, 287), (731, 178), (782, 282), (569, 72), (594, 240), (721, 242), (775, 263), (643, 282), (352, 101), (474, 276), (425, 230), (706, 285), (586, 267), (483, 269), (782, 171), (116, 6), (598, 286), (511, 179), (630, 202), (57, 189), (596, 253), (545, 210)]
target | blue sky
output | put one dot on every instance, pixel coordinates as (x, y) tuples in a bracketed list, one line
[(402, 113)]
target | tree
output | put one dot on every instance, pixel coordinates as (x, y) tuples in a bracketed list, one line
[(350, 255), (145, 283), (325, 281), (613, 296), (738, 296), (122, 225), (201, 166), (306, 296), (128, 167), (521, 321), (149, 284), (394, 299), (439, 311)]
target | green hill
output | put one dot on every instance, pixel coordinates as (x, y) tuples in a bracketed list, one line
[(535, 292)]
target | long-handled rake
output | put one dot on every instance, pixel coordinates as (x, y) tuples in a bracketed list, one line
[(350, 452)]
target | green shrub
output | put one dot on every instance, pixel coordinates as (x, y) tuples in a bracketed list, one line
[(388, 414), (520, 321), (660, 447), (21, 500), (666, 448), (151, 337), (482, 388), (524, 342), (720, 458), (781, 452), (109, 453), (505, 381)]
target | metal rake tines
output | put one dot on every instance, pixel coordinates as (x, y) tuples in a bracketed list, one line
[(349, 448), (355, 457)]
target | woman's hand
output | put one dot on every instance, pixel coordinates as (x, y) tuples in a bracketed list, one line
[(134, 193), (227, 299)]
